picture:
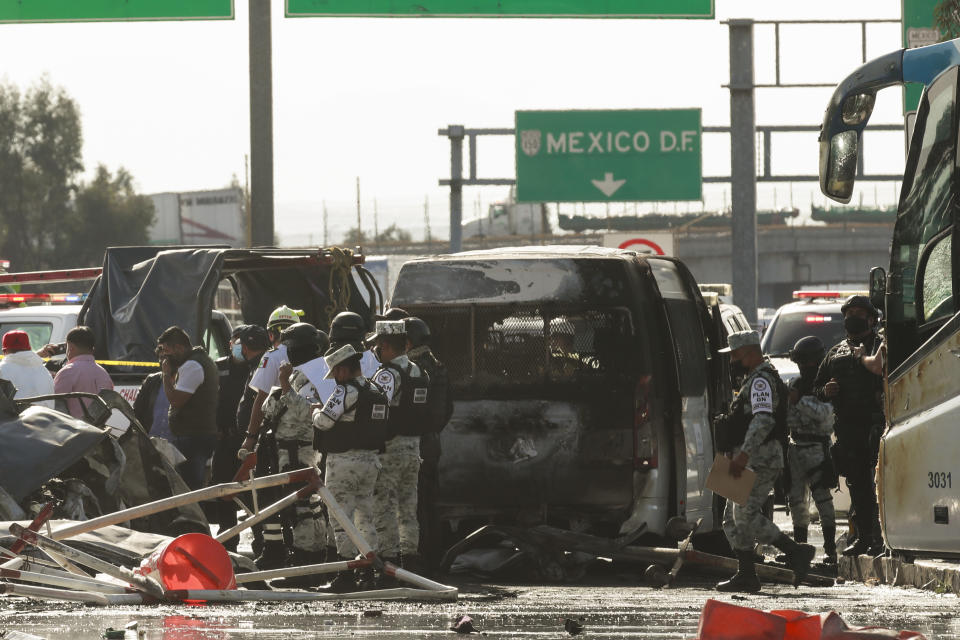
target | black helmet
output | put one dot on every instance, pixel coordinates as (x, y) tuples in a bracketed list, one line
[(418, 333), (809, 349), (302, 334), (394, 313), (860, 301), (347, 326)]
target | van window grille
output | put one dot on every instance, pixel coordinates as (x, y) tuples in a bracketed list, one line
[(511, 348)]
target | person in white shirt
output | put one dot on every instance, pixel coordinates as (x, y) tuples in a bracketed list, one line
[(22, 367), (265, 377)]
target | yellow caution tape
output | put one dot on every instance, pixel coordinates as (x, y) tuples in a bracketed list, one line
[(124, 363)]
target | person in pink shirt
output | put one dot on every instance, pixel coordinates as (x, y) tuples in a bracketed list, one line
[(81, 373)]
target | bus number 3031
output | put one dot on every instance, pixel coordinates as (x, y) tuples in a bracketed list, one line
[(939, 480)]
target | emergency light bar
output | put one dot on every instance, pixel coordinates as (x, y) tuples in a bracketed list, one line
[(21, 298), (809, 295), (817, 319)]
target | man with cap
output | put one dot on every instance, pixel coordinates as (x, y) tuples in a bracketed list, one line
[(351, 426), (25, 369), (235, 371), (265, 376), (811, 429), (440, 409), (395, 497), (847, 380), (288, 412), (751, 433)]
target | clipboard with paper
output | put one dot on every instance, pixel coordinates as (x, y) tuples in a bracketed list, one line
[(722, 483)]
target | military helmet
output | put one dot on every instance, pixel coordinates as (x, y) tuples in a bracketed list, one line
[(394, 313), (418, 333), (303, 334), (282, 316), (860, 301), (347, 326), (808, 349)]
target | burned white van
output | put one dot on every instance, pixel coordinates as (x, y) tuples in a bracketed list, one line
[(583, 381)]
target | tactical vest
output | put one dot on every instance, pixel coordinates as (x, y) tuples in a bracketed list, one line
[(740, 415), (199, 415), (439, 400), (857, 402), (411, 416), (367, 430)]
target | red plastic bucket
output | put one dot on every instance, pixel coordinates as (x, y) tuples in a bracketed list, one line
[(190, 561)]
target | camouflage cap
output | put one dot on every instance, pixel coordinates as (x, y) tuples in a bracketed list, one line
[(741, 339)]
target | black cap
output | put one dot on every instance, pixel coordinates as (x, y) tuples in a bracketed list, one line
[(394, 313), (862, 302), (252, 336), (808, 349)]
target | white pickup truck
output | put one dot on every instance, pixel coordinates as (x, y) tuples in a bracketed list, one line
[(50, 323)]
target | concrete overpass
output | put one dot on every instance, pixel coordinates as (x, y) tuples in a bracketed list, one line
[(788, 257)]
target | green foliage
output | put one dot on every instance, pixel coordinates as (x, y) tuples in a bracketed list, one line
[(108, 213), (394, 234), (354, 236), (47, 218), (947, 19)]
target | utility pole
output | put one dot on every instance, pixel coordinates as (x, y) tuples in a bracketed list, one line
[(325, 217), (743, 168), (261, 124), (359, 227), (376, 224), (426, 220)]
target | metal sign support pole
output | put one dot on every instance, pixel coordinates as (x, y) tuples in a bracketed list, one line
[(743, 168), (261, 125), (455, 133)]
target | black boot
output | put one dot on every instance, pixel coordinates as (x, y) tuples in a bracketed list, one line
[(274, 555), (799, 557), (745, 579), (830, 545), (301, 558), (862, 544), (799, 535), (343, 582)]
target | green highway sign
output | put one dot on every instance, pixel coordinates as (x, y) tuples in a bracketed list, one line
[(19, 11), (608, 156), (919, 30), (504, 8)]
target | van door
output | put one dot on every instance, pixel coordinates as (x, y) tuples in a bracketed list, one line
[(694, 444)]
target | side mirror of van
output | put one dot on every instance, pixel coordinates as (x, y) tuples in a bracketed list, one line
[(878, 287)]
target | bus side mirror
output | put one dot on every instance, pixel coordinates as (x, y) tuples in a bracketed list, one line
[(878, 287), (838, 164)]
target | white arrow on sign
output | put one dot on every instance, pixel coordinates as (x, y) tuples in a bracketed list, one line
[(608, 185)]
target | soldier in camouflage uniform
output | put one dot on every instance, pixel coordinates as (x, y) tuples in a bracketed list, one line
[(752, 432), (395, 497), (811, 427), (845, 380), (289, 407), (352, 426)]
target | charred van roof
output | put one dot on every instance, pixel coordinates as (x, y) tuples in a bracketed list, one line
[(552, 274)]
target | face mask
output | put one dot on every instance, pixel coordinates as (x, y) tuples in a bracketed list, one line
[(738, 370), (855, 325), (237, 352)]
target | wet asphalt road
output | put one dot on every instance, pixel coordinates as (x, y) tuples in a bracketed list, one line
[(613, 608)]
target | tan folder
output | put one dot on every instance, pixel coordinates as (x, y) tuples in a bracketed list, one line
[(722, 483)]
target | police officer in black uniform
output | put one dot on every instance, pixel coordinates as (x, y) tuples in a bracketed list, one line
[(439, 411), (855, 391)]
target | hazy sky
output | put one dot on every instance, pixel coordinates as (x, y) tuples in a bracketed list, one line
[(365, 97)]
